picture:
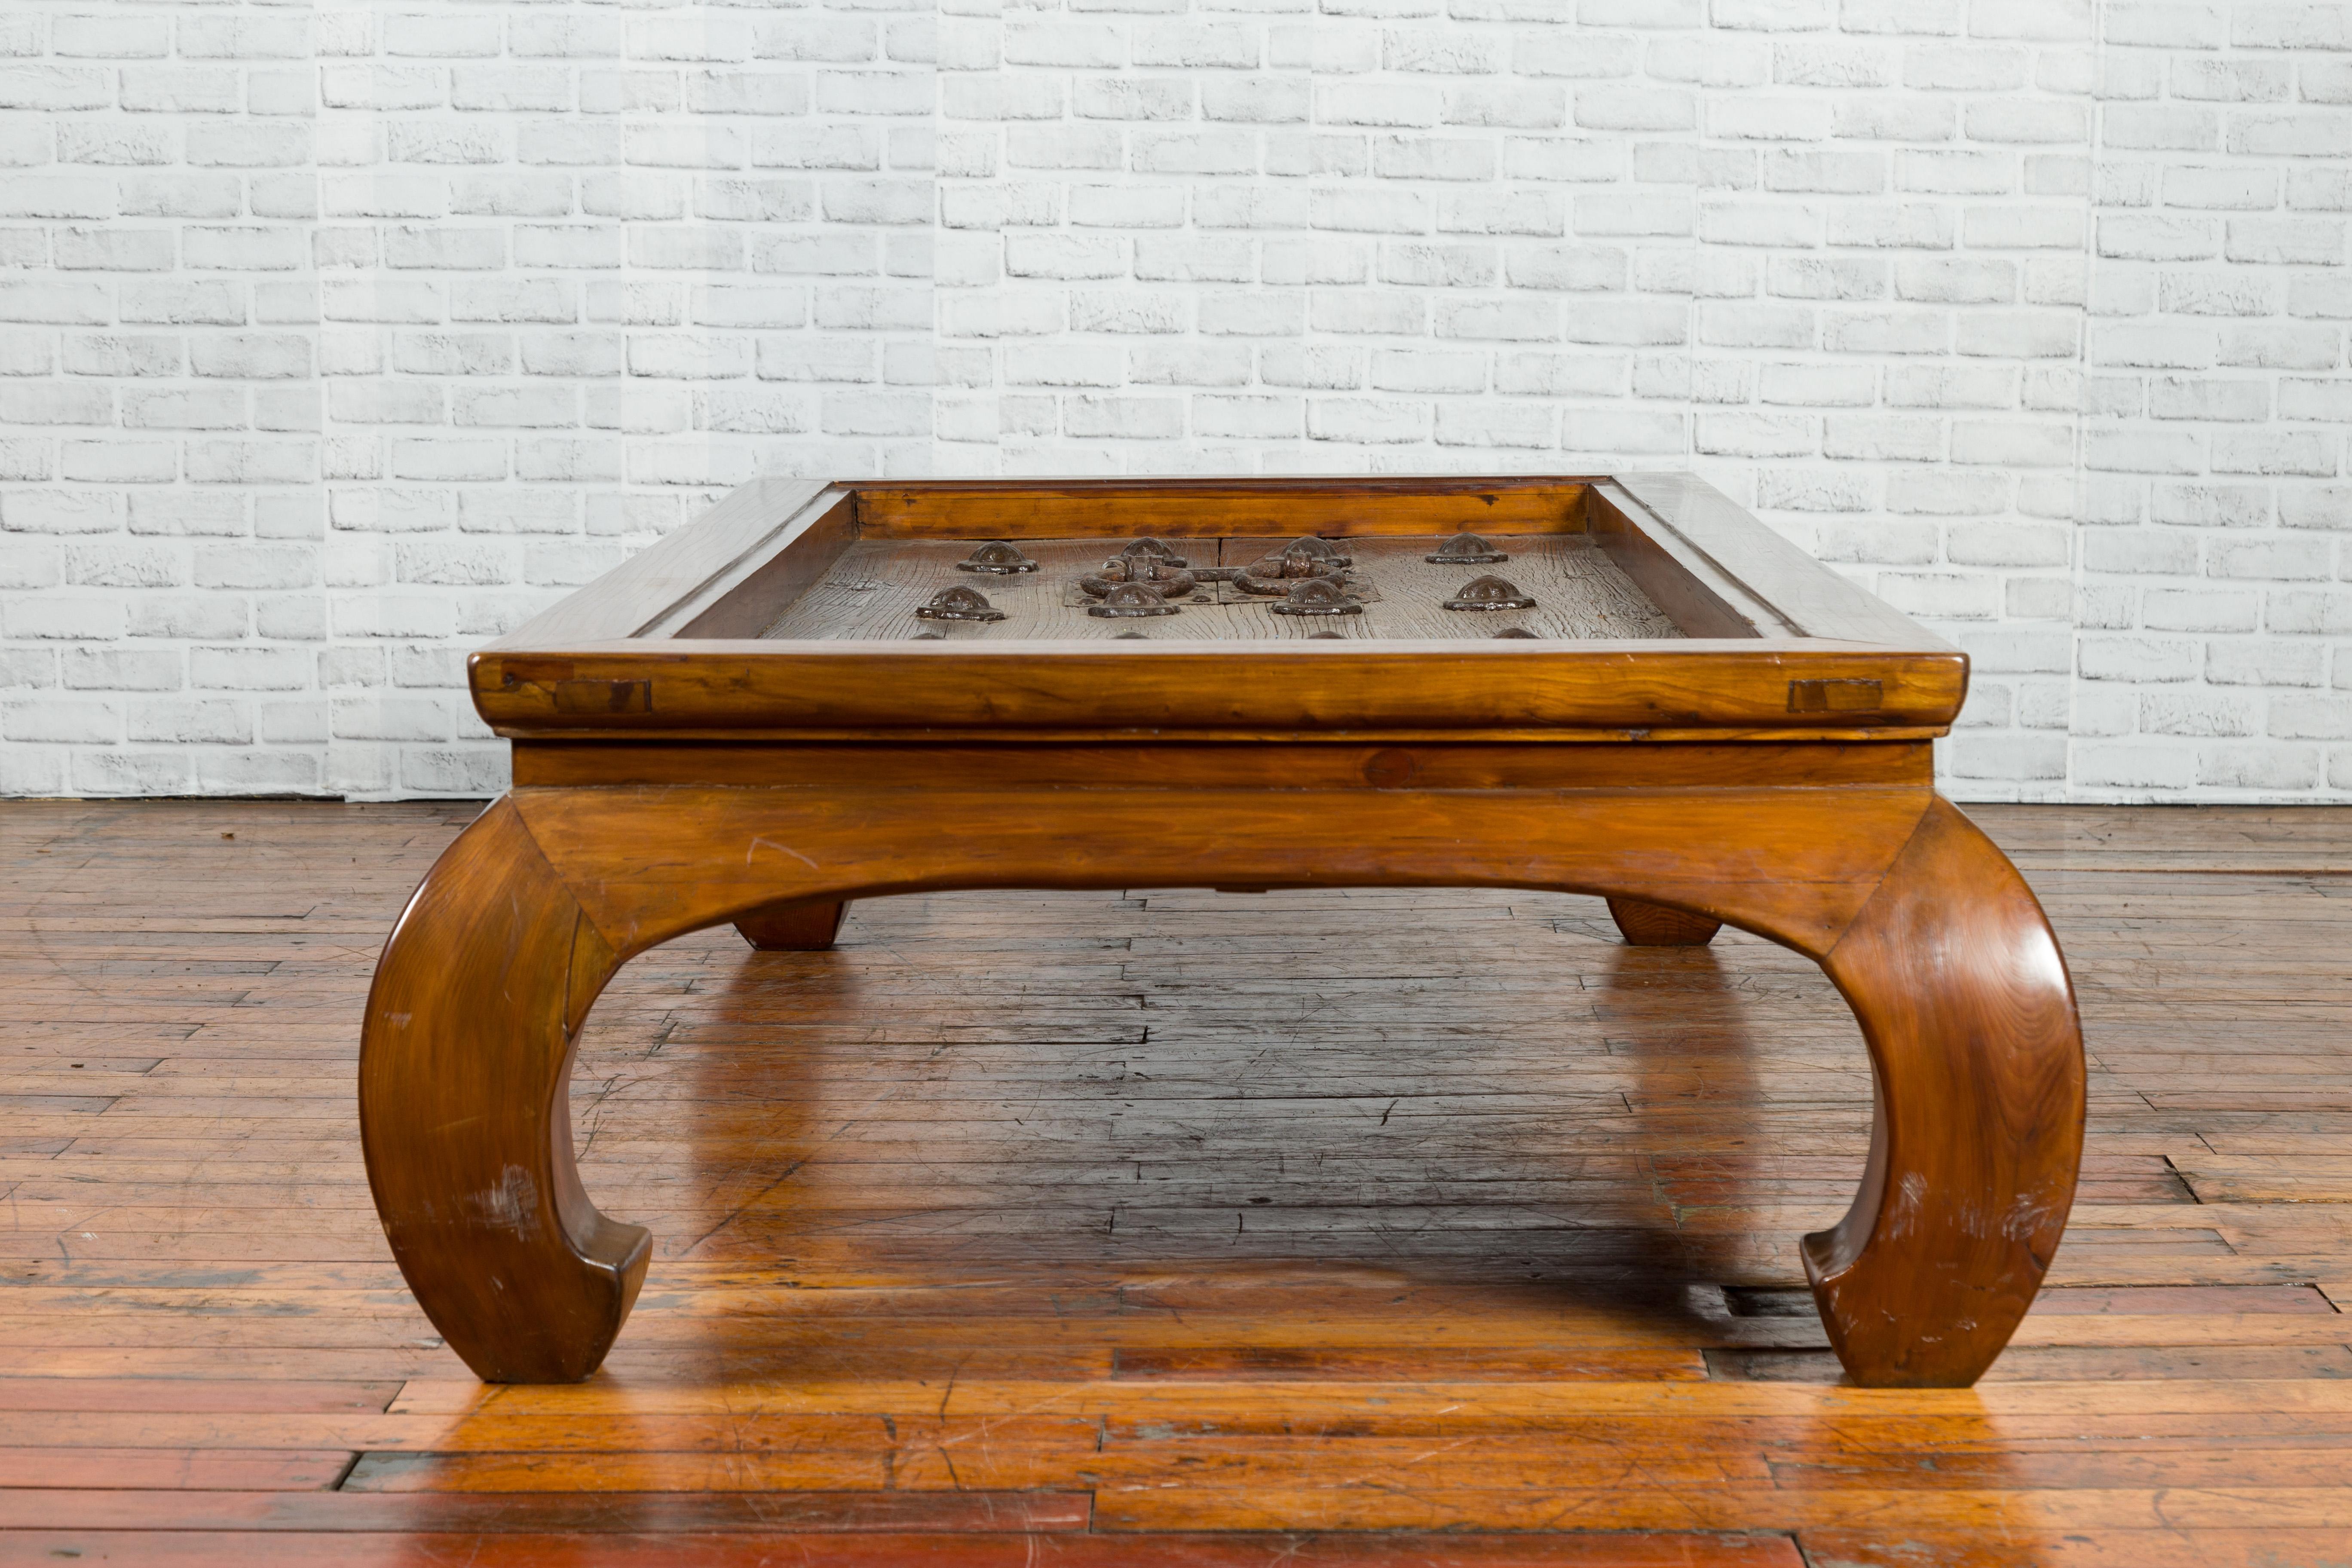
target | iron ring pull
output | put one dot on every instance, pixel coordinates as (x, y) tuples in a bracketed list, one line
[(1301, 558)]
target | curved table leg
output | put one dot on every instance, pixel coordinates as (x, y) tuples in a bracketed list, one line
[(792, 928), (1654, 925), (465, 1114), (1978, 1054), (1922, 923)]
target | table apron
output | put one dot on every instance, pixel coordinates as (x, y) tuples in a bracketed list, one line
[(648, 864)]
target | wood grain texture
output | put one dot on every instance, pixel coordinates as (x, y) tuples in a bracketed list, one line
[(1178, 508), (1796, 865), (1331, 764), (1654, 925), (792, 928), (992, 1549), (1970, 1015), (464, 1074), (916, 1199), (1486, 690)]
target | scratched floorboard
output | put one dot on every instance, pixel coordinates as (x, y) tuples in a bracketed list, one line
[(1160, 1227)]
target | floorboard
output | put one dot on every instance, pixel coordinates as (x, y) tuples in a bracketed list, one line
[(1161, 1227)]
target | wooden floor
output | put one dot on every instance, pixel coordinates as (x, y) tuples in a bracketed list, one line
[(1382, 1227)]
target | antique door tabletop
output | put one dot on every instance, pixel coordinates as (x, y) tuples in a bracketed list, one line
[(1623, 686)]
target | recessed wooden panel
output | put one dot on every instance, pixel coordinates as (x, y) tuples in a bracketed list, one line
[(874, 590)]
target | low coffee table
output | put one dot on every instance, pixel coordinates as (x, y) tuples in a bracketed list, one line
[(1623, 686)]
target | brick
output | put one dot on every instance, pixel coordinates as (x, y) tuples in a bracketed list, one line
[(1489, 423), (2290, 26), (180, 194), (2047, 122), (2182, 398), (1063, 255), (2144, 451), (2313, 295), (2221, 189), (119, 462), (1368, 421), (2290, 135), (1190, 363), (2324, 80), (48, 88), (2165, 346), (75, 195), (688, 146), (1123, 418), (2278, 241), (1517, 105), (1885, 438), (112, 142), (100, 37), (1264, 314), (67, 721), (1123, 312), (250, 356), (1382, 104), (115, 249), (2197, 710), (2308, 452), (1432, 158), (1634, 431), (2288, 348), (1609, 215), (52, 403), (2266, 663), (1818, 386), (835, 37), (2262, 768), (2309, 718), (1840, 172), (2210, 505), (2318, 506), (503, 89), (1194, 44), (1827, 278), (1248, 418), (248, 144)]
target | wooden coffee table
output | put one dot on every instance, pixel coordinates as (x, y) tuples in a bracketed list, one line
[(822, 693)]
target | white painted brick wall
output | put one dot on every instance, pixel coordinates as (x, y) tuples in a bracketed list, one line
[(2212, 659), (1382, 236), (1889, 323), (336, 338)]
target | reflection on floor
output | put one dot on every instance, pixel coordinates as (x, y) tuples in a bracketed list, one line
[(1161, 1227)]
